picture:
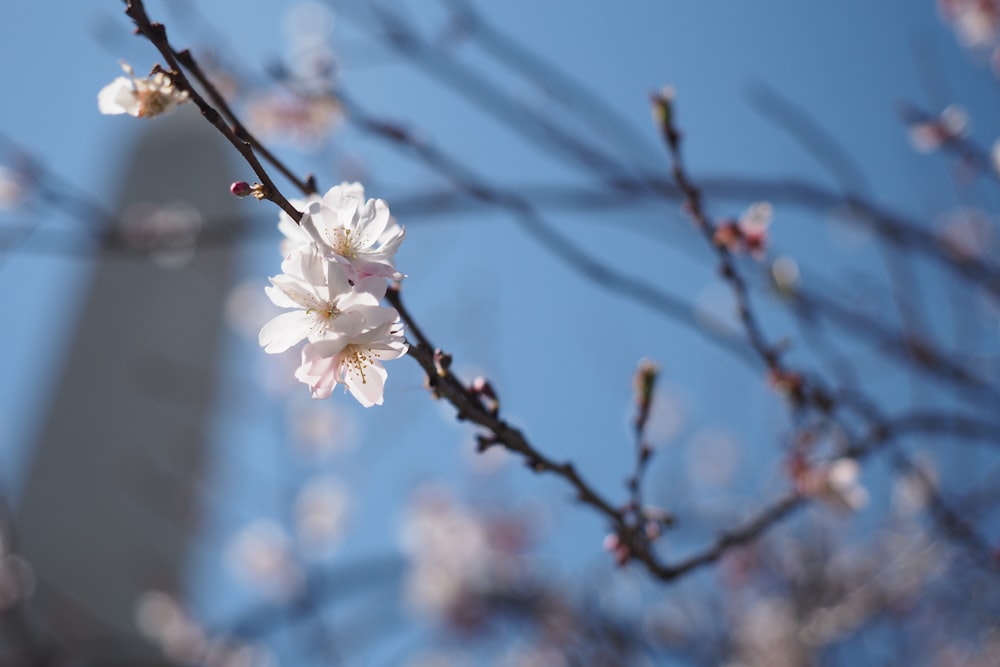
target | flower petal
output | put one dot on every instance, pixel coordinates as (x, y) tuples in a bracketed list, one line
[(284, 331)]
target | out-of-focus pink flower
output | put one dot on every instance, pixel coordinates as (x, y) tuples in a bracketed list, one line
[(976, 22), (748, 233), (835, 483), (927, 136)]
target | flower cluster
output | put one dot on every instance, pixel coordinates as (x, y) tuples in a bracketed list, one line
[(140, 97), (748, 233), (336, 264)]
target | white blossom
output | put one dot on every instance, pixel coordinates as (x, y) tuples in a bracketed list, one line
[(351, 230), (325, 303), (333, 276), (140, 97), (353, 359)]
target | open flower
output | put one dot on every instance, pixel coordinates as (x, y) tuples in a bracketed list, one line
[(140, 97), (325, 303), (352, 231), (353, 359)]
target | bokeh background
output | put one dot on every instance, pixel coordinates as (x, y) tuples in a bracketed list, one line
[(559, 348)]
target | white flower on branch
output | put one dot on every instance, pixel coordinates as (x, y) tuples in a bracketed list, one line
[(140, 97), (353, 359), (333, 277), (352, 231), (325, 303)]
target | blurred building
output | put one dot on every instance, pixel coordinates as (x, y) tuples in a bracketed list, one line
[(111, 503)]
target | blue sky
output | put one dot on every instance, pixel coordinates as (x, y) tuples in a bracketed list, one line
[(560, 351)]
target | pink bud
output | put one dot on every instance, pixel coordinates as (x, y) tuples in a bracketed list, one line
[(241, 189)]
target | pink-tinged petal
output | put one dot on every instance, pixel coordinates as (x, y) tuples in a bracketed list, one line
[(376, 267), (318, 372), (284, 331), (367, 383)]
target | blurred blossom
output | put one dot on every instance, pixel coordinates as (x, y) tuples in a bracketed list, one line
[(13, 188), (321, 511), (261, 556), (748, 233), (156, 613), (303, 121), (966, 232), (976, 22), (766, 636), (247, 310), (912, 491), (163, 620), (927, 136), (785, 274), (753, 224), (17, 579), (169, 233), (713, 457), (995, 153), (835, 483), (457, 557), (142, 97), (310, 60), (321, 430)]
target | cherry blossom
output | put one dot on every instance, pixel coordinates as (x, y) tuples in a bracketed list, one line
[(748, 233), (835, 483), (977, 22), (352, 359), (350, 230), (930, 135), (325, 303), (140, 97)]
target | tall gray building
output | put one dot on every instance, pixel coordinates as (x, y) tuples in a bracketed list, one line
[(111, 501)]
